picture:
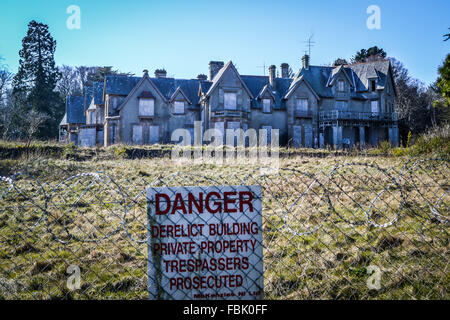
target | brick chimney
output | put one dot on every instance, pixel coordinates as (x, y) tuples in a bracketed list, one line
[(160, 73), (272, 72), (305, 62), (202, 77), (284, 70), (214, 67)]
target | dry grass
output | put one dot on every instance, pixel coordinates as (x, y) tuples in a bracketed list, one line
[(310, 253)]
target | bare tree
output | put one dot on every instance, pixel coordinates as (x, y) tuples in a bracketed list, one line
[(33, 121), (70, 83)]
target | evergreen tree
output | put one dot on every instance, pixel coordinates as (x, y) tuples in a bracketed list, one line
[(373, 53), (35, 82)]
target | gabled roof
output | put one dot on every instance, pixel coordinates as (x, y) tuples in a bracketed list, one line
[(296, 83), (267, 88), (337, 70), (75, 109), (179, 90), (168, 86), (367, 70), (257, 83), (136, 88), (219, 75), (319, 77)]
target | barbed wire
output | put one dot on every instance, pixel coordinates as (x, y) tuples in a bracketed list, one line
[(325, 211)]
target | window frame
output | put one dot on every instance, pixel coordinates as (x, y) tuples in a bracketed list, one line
[(371, 106), (264, 110), (297, 105), (175, 102), (341, 83)]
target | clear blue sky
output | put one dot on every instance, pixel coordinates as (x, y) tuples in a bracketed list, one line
[(183, 36)]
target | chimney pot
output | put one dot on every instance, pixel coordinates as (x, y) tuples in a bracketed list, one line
[(202, 77), (160, 73)]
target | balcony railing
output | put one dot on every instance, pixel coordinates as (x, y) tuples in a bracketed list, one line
[(355, 115), (302, 114)]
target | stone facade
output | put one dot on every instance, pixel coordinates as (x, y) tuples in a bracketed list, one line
[(341, 106)]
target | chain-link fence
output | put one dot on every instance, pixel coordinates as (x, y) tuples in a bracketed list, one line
[(358, 231)]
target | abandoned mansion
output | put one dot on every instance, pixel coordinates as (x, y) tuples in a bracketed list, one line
[(343, 105)]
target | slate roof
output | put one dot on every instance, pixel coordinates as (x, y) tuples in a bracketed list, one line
[(205, 85), (318, 77), (168, 86), (256, 83), (98, 92), (120, 84), (364, 71), (360, 73), (75, 109), (88, 95)]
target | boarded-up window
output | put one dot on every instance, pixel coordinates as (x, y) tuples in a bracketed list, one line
[(341, 85), (266, 105), (137, 134), (308, 136), (154, 134), (221, 127), (374, 106), (92, 117), (147, 107), (178, 107), (302, 105), (230, 101)]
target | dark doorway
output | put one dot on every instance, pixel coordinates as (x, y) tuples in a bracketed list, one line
[(328, 136), (356, 135), (367, 136)]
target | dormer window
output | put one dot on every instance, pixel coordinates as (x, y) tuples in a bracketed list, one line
[(178, 107), (146, 107), (266, 104), (341, 86), (230, 101), (373, 85)]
